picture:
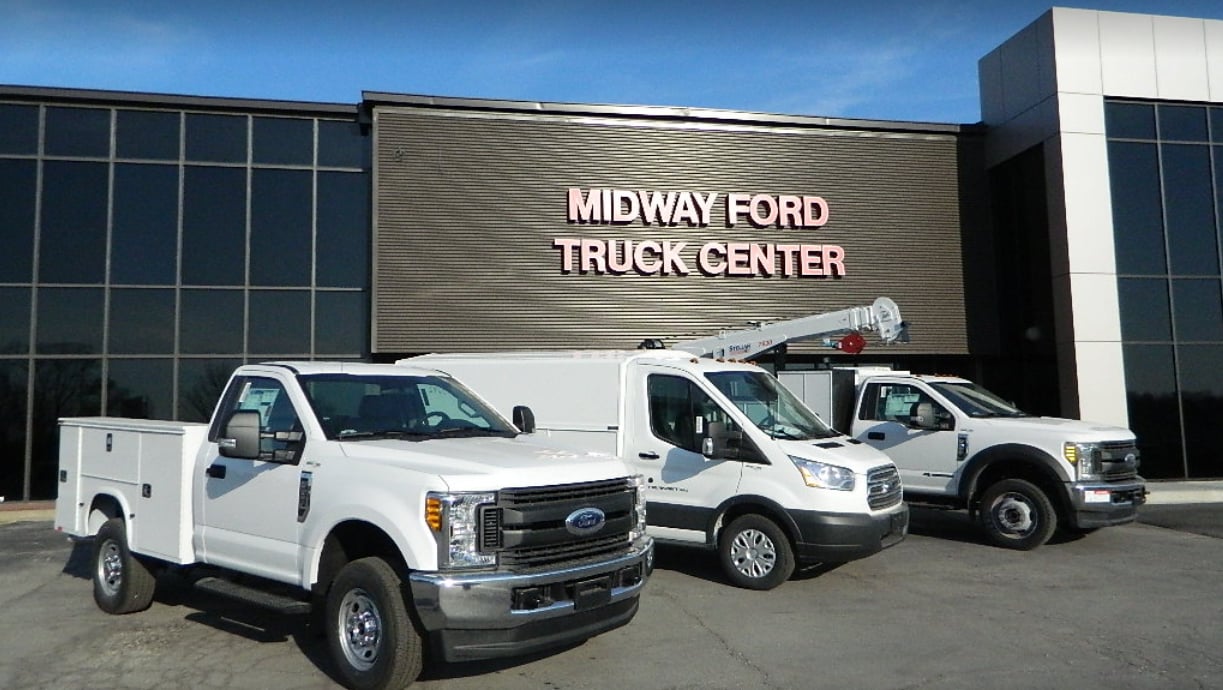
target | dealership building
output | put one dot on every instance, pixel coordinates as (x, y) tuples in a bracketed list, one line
[(1065, 251)]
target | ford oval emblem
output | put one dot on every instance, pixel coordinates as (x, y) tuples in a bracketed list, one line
[(585, 521)]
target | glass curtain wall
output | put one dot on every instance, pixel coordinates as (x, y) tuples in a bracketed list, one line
[(1166, 172), (147, 251)]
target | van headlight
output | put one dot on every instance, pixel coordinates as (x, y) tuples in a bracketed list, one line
[(638, 530), (821, 475), (1085, 458), (454, 519)]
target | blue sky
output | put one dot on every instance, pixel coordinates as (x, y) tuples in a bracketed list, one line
[(880, 59)]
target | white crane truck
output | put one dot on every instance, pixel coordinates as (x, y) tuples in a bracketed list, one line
[(391, 502)]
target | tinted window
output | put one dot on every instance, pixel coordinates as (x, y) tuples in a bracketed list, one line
[(343, 230), (1201, 382), (283, 141), (280, 322), (216, 138), (145, 233), (200, 384), (19, 129), (1129, 120), (211, 322), (341, 145), (69, 321), (1150, 381), (62, 388), (78, 132), (341, 323), (214, 226), (146, 134), (1145, 312), (1199, 311), (1137, 217), (281, 227), (140, 388), (17, 189), (141, 321), (73, 247), (1182, 123), (13, 387), (14, 322), (1192, 248), (1216, 125)]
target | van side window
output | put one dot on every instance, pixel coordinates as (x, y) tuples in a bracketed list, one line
[(680, 411)]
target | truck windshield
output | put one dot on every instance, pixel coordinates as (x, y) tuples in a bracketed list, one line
[(769, 405), (976, 401), (354, 407)]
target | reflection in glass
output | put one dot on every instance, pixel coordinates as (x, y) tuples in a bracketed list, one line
[(1201, 383), (216, 138), (214, 226), (1129, 120), (14, 320), (144, 236), (200, 384), (77, 132), (19, 129), (341, 145), (18, 185), (343, 230), (62, 388), (1192, 248), (284, 141), (1182, 123), (13, 388), (141, 321), (1137, 218), (280, 322), (281, 202), (1150, 381), (140, 388), (147, 134), (1199, 310), (341, 323), (211, 322), (73, 244), (1144, 309), (69, 321)]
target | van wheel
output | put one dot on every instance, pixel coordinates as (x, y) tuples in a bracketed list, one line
[(1016, 514), (121, 583), (372, 639), (755, 553)]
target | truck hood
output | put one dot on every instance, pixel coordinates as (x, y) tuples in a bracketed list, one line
[(841, 450), (485, 464), (1067, 429)]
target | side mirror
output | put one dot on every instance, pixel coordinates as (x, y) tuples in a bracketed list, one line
[(925, 417), (524, 419), (241, 439), (720, 444)]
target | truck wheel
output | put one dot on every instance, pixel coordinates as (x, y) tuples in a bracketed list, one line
[(121, 583), (755, 553), (1017, 515), (371, 636)]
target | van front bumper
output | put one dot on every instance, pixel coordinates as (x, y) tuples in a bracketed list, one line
[(487, 615), (841, 537)]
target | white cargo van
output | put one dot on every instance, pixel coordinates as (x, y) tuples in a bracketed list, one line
[(732, 460)]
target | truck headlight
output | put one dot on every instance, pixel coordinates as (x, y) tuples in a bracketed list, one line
[(638, 530), (454, 519), (821, 475), (1084, 457)]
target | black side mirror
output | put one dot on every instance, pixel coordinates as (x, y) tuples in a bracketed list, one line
[(720, 444), (241, 438), (524, 419)]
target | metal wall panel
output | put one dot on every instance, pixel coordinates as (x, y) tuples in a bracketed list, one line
[(468, 204)]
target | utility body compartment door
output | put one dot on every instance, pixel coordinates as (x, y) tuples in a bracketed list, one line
[(927, 458)]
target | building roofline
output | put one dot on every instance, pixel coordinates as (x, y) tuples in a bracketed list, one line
[(134, 98), (372, 99)]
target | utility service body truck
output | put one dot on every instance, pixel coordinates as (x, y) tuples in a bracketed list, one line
[(732, 460), (390, 501)]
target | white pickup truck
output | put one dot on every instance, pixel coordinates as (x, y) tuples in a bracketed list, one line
[(957, 445), (389, 499)]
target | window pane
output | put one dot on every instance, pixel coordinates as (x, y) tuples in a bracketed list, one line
[(341, 323), (1192, 249), (1199, 311), (343, 230), (62, 388), (284, 141), (73, 247), (281, 227), (1129, 120), (200, 384), (1150, 382), (280, 322), (13, 407), (141, 321), (18, 184), (214, 226), (14, 321), (1137, 218), (216, 138), (140, 388), (1216, 125), (145, 134), (145, 233), (1201, 370), (1182, 123), (1144, 309), (78, 132), (341, 145), (69, 321), (211, 322), (19, 129)]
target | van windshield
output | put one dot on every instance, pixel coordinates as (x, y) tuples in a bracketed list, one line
[(769, 405)]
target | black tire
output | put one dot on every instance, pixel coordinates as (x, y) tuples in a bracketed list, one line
[(372, 639), (121, 582), (1017, 514), (755, 553)]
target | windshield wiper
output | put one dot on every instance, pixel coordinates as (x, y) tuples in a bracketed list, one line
[(383, 433)]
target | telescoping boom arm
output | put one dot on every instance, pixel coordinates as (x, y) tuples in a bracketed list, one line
[(882, 317)]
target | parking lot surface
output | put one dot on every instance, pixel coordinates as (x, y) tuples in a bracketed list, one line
[(1139, 606)]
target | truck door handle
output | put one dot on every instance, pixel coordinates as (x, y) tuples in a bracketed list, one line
[(875, 435), (648, 455), (215, 471)]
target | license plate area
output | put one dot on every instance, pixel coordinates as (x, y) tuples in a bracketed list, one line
[(592, 593)]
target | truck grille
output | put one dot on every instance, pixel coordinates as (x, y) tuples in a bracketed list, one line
[(527, 527), (883, 487), (1118, 460)]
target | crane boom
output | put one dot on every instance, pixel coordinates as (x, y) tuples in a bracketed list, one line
[(883, 317)]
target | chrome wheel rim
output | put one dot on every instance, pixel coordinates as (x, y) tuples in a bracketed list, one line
[(110, 567)]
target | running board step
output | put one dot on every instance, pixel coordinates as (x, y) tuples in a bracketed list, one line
[(251, 595)]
